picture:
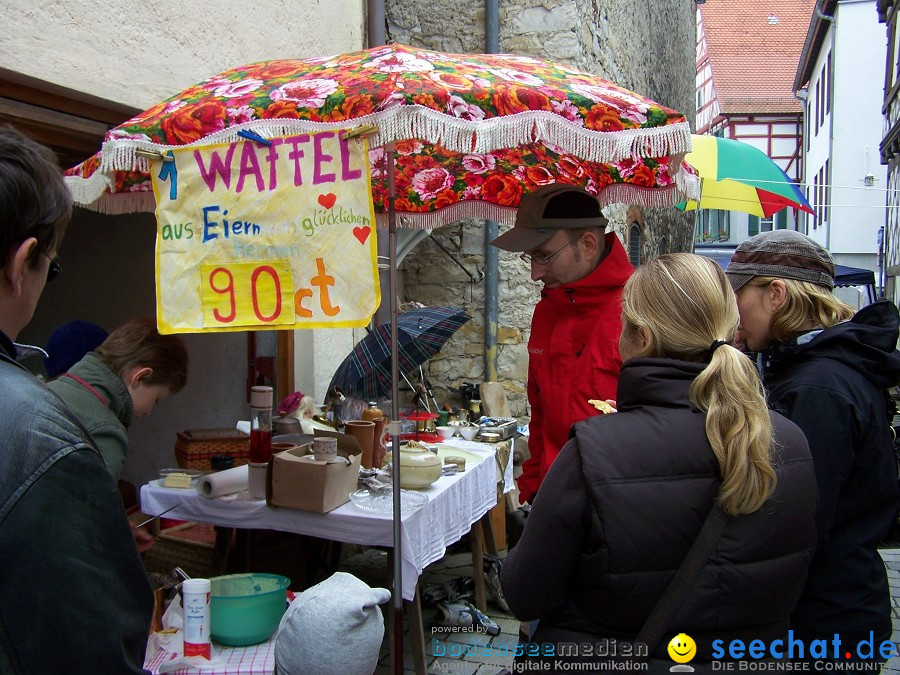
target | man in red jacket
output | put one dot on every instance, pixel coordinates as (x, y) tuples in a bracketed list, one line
[(573, 349)]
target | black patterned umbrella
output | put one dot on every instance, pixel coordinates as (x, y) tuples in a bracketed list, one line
[(422, 333)]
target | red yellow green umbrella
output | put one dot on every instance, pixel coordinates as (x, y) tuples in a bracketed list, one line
[(737, 176)]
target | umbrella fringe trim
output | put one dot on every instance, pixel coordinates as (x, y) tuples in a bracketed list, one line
[(85, 194), (685, 187), (90, 193), (84, 191), (635, 195), (476, 210), (688, 185), (410, 122)]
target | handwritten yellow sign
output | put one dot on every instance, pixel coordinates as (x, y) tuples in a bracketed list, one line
[(256, 235)]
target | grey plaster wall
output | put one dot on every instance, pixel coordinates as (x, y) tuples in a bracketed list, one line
[(138, 52), (645, 45)]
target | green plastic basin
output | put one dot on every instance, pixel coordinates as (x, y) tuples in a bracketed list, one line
[(244, 609)]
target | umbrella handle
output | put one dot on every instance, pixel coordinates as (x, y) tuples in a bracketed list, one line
[(428, 388)]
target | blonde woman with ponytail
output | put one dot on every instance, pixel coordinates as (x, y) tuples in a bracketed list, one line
[(625, 500)]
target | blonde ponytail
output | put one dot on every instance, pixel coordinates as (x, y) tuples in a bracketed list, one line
[(738, 427), (686, 306)]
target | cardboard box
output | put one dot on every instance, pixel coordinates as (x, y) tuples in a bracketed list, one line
[(298, 484)]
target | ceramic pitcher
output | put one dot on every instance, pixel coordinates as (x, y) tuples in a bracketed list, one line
[(364, 432)]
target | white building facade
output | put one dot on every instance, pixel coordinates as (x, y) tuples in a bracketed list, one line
[(746, 57), (843, 177)]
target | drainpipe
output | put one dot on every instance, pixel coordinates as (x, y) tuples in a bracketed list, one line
[(802, 96), (492, 26), (376, 38), (375, 19), (829, 19), (491, 227)]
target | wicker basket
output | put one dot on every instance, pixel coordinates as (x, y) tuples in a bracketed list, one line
[(195, 447), (190, 546)]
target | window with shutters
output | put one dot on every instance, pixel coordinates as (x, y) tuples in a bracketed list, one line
[(781, 219), (634, 244)]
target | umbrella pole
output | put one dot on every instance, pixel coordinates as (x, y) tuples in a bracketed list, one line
[(397, 656)]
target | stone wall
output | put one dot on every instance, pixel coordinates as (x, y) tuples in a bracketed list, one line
[(648, 47)]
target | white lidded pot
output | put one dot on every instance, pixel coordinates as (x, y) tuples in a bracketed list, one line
[(419, 467)]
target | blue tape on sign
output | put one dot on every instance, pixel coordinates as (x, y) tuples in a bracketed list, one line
[(170, 172)]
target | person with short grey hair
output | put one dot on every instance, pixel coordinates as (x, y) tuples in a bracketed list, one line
[(828, 370)]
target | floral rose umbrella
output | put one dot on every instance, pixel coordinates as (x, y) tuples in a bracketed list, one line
[(472, 133), (452, 136)]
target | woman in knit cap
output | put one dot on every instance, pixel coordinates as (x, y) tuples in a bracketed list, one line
[(828, 371)]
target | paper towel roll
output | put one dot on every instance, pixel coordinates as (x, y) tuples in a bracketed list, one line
[(224, 482)]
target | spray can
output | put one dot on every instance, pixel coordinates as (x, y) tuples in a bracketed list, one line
[(195, 604)]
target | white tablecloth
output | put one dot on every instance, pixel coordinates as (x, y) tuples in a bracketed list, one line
[(454, 503)]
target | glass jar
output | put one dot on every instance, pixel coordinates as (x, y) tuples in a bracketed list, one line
[(372, 413)]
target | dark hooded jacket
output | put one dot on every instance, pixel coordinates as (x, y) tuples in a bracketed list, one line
[(623, 504), (832, 383)]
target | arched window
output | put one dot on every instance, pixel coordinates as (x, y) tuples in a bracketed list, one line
[(634, 244), (663, 245)]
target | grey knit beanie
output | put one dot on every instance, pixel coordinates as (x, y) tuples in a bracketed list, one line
[(784, 254), (332, 628)]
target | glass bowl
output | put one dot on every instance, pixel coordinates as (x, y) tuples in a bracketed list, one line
[(382, 501)]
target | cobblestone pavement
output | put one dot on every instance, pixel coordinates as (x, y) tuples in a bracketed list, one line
[(481, 654), (892, 561)]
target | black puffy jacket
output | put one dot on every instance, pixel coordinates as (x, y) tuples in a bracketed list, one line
[(832, 383), (624, 502), (74, 596)]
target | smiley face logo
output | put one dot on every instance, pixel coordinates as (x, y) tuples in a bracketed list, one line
[(682, 648)]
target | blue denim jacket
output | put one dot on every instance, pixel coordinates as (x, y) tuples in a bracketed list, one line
[(74, 596)]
